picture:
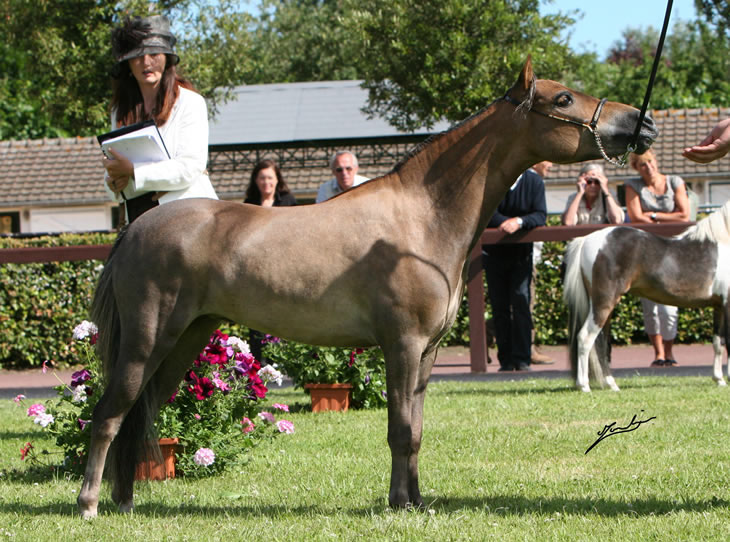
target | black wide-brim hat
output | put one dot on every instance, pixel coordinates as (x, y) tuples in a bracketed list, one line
[(143, 36)]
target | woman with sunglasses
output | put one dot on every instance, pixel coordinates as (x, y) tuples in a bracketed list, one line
[(653, 198), (592, 202)]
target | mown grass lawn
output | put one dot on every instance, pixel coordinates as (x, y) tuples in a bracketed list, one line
[(500, 461)]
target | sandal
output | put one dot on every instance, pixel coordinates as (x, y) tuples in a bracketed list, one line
[(659, 363), (670, 363)]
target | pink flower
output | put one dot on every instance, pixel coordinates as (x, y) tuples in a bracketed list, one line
[(285, 426), (197, 416), (248, 425), (267, 417), (82, 423), (285, 408), (36, 409), (204, 457), (19, 398), (45, 366)]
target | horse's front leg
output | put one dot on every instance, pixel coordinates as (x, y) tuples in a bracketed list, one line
[(404, 432)]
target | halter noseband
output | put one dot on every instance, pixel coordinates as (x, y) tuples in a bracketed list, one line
[(590, 126)]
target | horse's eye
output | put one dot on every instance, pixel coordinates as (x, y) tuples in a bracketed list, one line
[(564, 100)]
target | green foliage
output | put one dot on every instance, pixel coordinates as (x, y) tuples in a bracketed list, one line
[(297, 40), (40, 302), (306, 364), (693, 71), (428, 61)]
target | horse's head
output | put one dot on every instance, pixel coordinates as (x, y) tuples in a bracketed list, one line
[(586, 127)]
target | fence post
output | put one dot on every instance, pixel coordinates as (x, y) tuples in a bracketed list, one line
[(475, 295)]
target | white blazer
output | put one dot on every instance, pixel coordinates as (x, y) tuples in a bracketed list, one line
[(186, 137)]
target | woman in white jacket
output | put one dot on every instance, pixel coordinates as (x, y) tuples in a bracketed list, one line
[(147, 86)]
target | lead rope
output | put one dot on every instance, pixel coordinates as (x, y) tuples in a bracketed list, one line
[(635, 139)]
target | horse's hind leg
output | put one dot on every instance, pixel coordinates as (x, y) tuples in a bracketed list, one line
[(602, 349), (162, 385), (586, 338), (719, 328), (120, 395), (402, 363)]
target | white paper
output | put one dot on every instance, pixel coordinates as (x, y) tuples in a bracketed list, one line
[(140, 146)]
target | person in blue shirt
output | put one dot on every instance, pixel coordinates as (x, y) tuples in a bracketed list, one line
[(509, 270)]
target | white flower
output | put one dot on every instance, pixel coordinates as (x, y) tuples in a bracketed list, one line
[(44, 420), (267, 373), (239, 345), (84, 329), (204, 457), (79, 394)]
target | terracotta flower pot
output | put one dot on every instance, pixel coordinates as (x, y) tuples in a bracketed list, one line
[(152, 470), (329, 396)]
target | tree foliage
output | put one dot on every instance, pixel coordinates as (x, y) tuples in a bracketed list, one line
[(303, 40), (428, 61), (694, 70)]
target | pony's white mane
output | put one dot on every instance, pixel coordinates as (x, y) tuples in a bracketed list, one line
[(715, 227)]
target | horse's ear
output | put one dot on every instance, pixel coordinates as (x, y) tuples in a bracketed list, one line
[(524, 88)]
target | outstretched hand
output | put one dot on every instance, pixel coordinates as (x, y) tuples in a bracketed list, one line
[(714, 146)]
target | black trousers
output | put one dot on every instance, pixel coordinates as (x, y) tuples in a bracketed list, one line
[(508, 281)]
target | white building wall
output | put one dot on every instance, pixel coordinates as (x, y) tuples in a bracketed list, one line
[(68, 219)]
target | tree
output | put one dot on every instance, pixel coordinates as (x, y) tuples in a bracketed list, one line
[(303, 40), (56, 57), (693, 71), (427, 61)]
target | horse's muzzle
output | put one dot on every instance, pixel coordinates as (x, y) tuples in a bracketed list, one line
[(647, 135)]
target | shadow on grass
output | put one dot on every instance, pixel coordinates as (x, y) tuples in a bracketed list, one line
[(503, 505)]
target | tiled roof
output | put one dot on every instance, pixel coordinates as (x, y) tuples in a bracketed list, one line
[(68, 171)]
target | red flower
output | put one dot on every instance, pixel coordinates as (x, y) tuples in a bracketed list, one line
[(202, 388), (25, 450)]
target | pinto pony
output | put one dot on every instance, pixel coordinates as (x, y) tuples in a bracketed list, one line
[(382, 264), (688, 270)]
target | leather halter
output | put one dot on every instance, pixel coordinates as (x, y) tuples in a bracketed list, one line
[(590, 126)]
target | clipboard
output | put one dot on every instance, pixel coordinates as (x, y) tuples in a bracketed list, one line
[(140, 143)]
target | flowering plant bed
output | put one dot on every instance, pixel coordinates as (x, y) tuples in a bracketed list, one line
[(363, 369), (217, 413)]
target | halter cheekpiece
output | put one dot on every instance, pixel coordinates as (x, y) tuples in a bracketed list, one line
[(590, 126)]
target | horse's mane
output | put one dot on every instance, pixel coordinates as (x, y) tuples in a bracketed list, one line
[(522, 108), (715, 227)]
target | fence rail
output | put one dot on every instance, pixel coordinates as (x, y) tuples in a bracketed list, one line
[(475, 285)]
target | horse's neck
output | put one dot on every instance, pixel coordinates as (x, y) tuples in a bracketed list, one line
[(465, 173)]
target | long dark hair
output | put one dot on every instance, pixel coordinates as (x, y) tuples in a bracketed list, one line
[(127, 98), (253, 194)]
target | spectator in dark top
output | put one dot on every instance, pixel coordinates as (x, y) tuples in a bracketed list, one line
[(267, 186), (509, 270)]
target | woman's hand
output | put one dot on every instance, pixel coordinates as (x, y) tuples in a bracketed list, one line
[(714, 146), (118, 166), (117, 184)]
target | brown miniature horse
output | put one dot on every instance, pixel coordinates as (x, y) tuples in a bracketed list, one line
[(382, 264)]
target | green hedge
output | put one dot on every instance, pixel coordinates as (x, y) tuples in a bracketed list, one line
[(40, 304)]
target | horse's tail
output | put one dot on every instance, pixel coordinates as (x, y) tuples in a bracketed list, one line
[(575, 297), (128, 447)]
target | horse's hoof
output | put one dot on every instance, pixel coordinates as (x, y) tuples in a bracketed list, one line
[(721, 382), (88, 514), (126, 507), (87, 510), (585, 389)]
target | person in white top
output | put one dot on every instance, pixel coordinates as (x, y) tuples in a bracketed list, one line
[(344, 168), (146, 86)]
